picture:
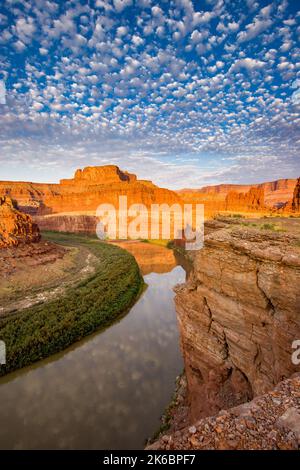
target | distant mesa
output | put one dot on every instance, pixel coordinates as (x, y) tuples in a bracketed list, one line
[(276, 193), (15, 226), (71, 205), (99, 175)]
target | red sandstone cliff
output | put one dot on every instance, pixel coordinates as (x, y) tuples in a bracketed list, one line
[(251, 200), (15, 227), (238, 315), (296, 197), (277, 193), (293, 206), (89, 188), (72, 203)]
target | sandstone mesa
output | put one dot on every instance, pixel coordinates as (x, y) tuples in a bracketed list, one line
[(71, 204)]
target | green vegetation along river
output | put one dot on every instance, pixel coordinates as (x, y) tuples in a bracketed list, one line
[(41, 330), (108, 390)]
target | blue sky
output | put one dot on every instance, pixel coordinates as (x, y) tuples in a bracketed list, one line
[(182, 92)]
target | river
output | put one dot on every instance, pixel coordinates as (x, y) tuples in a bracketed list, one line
[(109, 390)]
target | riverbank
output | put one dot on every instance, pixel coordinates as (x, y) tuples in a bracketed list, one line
[(110, 389), (238, 316), (96, 301)]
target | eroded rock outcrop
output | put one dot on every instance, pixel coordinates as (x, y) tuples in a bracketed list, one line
[(252, 200), (277, 192), (238, 316), (99, 175), (269, 422), (293, 206), (15, 227), (68, 223), (296, 197), (81, 195)]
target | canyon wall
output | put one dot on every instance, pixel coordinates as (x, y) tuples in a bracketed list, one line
[(68, 223), (276, 193), (254, 200), (238, 316), (74, 201), (15, 227), (293, 206), (296, 197)]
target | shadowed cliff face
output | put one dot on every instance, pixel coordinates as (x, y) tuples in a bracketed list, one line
[(294, 204), (15, 227), (238, 315), (296, 197)]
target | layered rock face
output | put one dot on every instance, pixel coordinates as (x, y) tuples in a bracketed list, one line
[(99, 174), (254, 199), (81, 196), (276, 192), (238, 316), (296, 197), (15, 227), (68, 223), (28, 196)]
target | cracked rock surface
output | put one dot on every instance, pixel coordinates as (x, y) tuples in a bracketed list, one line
[(239, 313)]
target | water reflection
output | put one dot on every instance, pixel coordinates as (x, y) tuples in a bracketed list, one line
[(108, 391), (150, 257)]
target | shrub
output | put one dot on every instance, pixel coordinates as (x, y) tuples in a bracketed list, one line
[(41, 330)]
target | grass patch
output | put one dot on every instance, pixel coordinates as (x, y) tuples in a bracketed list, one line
[(41, 330), (273, 227), (267, 226)]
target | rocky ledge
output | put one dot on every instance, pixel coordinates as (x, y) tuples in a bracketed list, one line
[(15, 227), (239, 314), (269, 422)]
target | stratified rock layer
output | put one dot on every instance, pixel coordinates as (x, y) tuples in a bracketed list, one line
[(296, 197), (277, 193), (253, 199), (88, 189), (15, 227), (238, 315)]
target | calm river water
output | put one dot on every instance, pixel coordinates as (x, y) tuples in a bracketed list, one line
[(107, 391)]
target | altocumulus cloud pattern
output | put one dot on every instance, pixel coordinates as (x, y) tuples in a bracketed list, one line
[(204, 91)]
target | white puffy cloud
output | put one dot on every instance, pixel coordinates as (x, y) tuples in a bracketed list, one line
[(120, 5), (2, 92), (25, 27), (254, 29), (248, 64), (19, 46)]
